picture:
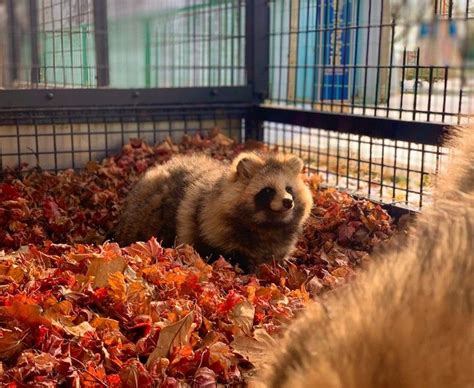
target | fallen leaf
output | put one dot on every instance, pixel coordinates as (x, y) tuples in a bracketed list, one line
[(221, 357), (105, 324), (134, 375), (204, 378), (171, 336), (256, 349), (79, 330), (118, 288), (26, 312), (101, 268), (10, 343), (243, 314)]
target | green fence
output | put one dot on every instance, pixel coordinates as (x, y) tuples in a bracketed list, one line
[(200, 45), (68, 58)]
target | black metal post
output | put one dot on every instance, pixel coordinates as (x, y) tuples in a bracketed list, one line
[(35, 62), (257, 60), (12, 41), (101, 42)]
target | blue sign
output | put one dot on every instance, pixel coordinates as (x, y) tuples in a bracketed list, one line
[(337, 49), (324, 48)]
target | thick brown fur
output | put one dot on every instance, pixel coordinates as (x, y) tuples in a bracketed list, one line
[(409, 320), (199, 201)]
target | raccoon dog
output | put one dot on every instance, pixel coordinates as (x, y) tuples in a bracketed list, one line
[(251, 211), (408, 321)]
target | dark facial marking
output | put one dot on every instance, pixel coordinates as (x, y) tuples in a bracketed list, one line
[(289, 190), (264, 198)]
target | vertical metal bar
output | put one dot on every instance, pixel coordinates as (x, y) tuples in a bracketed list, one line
[(422, 177), (445, 88), (306, 51), (257, 60), (220, 38), (101, 42), (417, 73), (209, 37), (407, 189), (382, 165), (85, 60), (13, 52), (394, 176), (71, 37), (61, 34), (379, 56), (53, 39), (147, 40), (391, 67), (335, 54), (403, 82), (233, 14), (35, 63), (346, 30), (295, 34), (430, 92), (281, 97), (258, 47), (356, 64), (367, 48)]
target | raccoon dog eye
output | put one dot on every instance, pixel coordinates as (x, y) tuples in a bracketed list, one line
[(264, 197), (289, 190), (268, 190)]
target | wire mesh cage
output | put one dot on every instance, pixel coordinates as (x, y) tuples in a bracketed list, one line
[(363, 90)]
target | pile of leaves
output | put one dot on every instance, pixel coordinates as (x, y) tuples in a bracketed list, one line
[(81, 206), (77, 312)]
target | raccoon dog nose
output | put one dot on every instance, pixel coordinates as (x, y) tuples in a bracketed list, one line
[(287, 203)]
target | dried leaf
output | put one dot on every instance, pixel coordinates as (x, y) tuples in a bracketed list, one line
[(26, 312), (171, 336), (134, 375), (105, 324), (10, 343), (79, 330), (14, 272), (204, 378), (101, 268), (118, 288), (256, 349), (221, 357), (243, 315)]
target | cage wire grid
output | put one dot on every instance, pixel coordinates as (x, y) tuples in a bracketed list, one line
[(58, 140), (356, 57)]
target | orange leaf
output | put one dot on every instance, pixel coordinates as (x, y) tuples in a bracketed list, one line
[(10, 343), (221, 357), (101, 267), (118, 288), (105, 324), (171, 336), (26, 312)]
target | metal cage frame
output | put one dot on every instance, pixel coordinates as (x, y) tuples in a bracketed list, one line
[(16, 106)]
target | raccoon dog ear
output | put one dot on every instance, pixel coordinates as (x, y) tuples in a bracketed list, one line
[(295, 164), (246, 165)]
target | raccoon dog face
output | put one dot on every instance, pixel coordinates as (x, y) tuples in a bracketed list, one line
[(274, 193)]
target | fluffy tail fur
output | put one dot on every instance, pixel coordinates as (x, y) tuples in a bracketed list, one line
[(408, 321)]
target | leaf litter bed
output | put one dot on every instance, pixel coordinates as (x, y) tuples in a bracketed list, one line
[(75, 312)]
